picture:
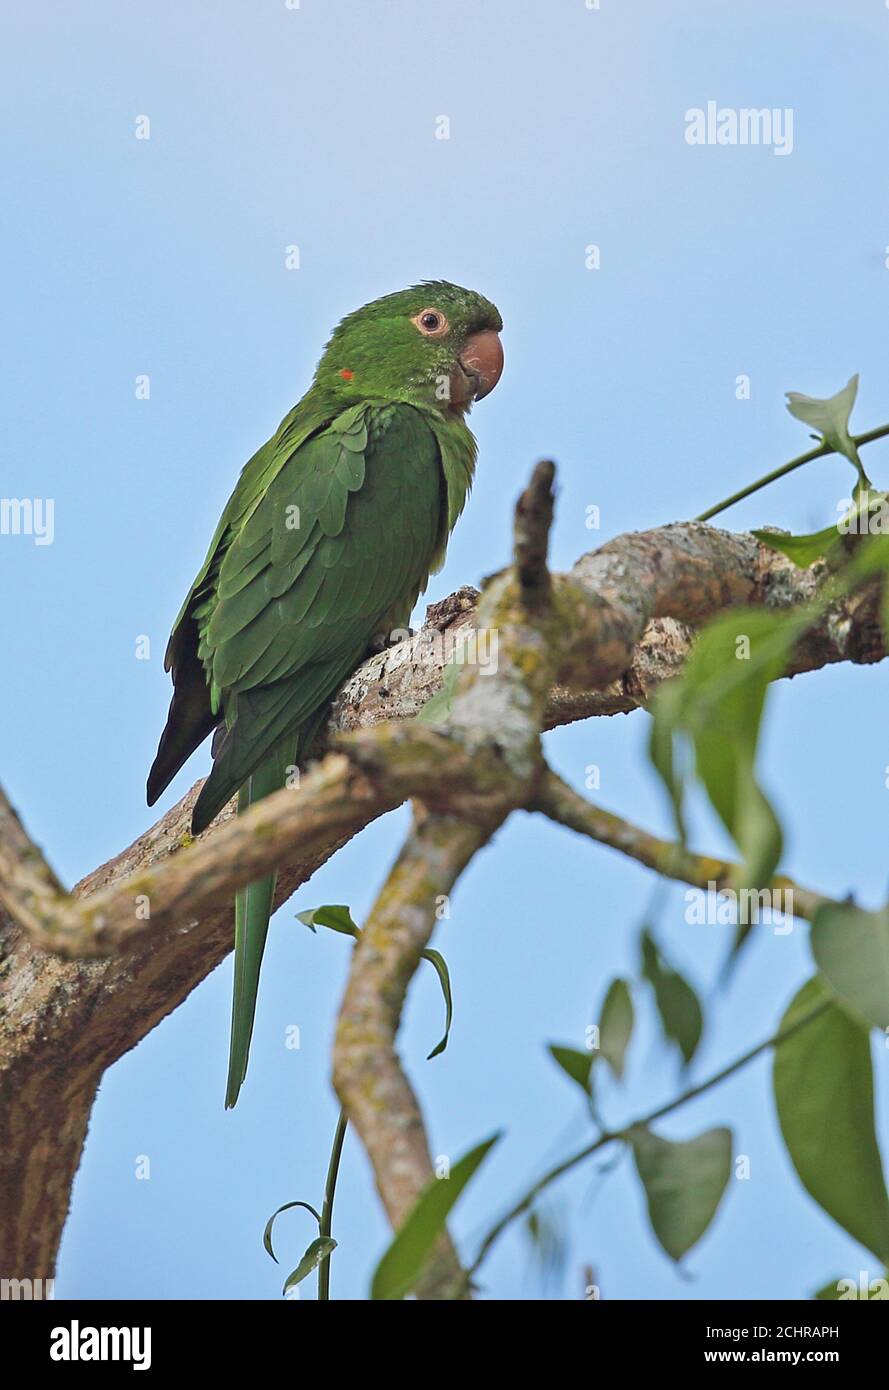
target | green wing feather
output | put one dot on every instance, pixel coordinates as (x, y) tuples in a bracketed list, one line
[(327, 543), (193, 714), (344, 534)]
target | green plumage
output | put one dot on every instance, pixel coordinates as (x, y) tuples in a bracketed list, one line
[(325, 545)]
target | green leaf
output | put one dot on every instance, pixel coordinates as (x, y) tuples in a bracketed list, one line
[(851, 949), (574, 1063), (335, 916), (339, 918), (829, 416), (683, 1183), (863, 1289), (320, 1249), (868, 515), (402, 1264), (616, 1026), (802, 550), (823, 1084), (437, 961), (677, 1003), (732, 665), (870, 558), (667, 709), (718, 704), (267, 1233)]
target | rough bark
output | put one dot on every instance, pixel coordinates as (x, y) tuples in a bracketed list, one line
[(630, 610)]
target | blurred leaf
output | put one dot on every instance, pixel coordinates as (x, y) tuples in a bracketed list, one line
[(336, 917), (830, 1291), (437, 961), (683, 1183), (438, 706), (320, 1249), (851, 949), (267, 1233), (718, 703), (677, 1003), (863, 1289), (667, 710), (574, 1063), (829, 416), (549, 1240), (339, 919), (870, 558), (403, 1262), (724, 711), (823, 1083), (616, 1026)]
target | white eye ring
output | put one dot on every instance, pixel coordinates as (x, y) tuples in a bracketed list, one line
[(431, 323)]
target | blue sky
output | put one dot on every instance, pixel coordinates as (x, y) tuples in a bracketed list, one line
[(315, 127)]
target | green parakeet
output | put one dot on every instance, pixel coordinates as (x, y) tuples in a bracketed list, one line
[(325, 544)]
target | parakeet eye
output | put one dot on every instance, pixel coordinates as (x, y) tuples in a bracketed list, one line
[(431, 323)]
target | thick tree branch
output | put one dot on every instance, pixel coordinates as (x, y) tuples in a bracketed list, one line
[(628, 612), (368, 1077), (396, 683), (27, 883), (333, 801)]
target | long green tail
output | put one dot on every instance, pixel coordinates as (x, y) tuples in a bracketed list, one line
[(253, 905), (253, 908)]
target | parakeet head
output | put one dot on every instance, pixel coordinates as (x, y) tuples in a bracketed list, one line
[(434, 344)]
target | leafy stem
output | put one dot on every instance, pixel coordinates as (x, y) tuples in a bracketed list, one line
[(821, 452), (324, 1225), (613, 1136)]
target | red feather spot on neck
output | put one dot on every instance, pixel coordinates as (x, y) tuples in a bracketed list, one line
[(346, 374)]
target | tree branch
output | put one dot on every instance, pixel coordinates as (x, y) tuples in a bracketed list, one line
[(27, 883), (607, 634), (367, 1075), (564, 805)]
